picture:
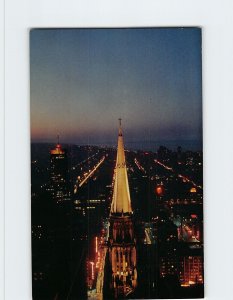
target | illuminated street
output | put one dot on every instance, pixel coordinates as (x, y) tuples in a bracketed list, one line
[(162, 218), (116, 163), (184, 178), (91, 172)]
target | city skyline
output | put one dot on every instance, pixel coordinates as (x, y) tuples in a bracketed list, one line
[(116, 203), (81, 204), (87, 78)]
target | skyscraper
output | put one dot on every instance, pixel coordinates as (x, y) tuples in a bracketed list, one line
[(122, 244), (59, 174)]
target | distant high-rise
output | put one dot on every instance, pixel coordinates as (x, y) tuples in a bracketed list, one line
[(191, 270), (59, 185), (121, 244)]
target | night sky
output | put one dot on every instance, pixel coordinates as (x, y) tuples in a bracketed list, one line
[(83, 80)]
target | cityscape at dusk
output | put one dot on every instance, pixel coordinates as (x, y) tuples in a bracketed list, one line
[(116, 163)]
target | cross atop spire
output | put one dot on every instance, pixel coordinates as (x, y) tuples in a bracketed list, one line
[(120, 129), (121, 202)]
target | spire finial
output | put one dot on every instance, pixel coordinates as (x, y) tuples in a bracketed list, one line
[(120, 129), (121, 202)]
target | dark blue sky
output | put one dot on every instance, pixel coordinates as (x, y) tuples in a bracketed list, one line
[(83, 80)]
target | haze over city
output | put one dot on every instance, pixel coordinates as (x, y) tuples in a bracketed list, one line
[(83, 80), (116, 164)]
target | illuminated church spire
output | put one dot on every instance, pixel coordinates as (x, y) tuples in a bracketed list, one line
[(121, 202)]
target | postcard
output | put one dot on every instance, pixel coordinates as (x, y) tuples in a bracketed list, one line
[(116, 163)]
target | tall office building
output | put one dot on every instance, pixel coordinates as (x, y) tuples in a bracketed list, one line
[(191, 270), (121, 243), (59, 184)]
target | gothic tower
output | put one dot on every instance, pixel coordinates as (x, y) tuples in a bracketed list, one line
[(121, 246)]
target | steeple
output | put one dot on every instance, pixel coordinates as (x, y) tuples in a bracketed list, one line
[(121, 202), (121, 240)]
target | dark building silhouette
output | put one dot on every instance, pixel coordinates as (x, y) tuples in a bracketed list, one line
[(59, 183)]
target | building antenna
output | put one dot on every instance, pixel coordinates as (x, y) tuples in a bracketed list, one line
[(120, 121), (58, 141)]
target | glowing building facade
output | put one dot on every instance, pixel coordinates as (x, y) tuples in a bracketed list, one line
[(59, 174), (191, 271), (122, 244)]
